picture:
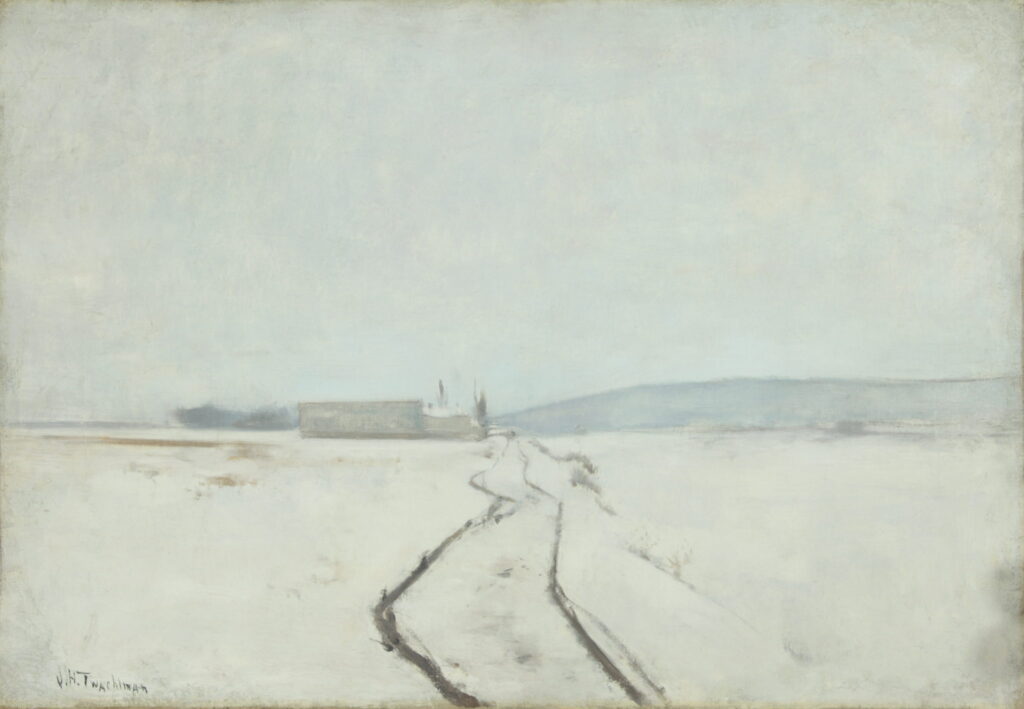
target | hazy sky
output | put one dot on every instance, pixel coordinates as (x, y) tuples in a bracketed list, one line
[(254, 202)]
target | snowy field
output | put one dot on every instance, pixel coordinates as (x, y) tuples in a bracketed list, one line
[(204, 568)]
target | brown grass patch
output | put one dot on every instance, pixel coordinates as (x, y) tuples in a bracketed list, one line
[(228, 481), (248, 451), (162, 442), (368, 461)]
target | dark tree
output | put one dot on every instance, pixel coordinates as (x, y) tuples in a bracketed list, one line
[(481, 408), (207, 416), (266, 418)]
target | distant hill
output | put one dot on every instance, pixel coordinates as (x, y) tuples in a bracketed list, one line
[(778, 403)]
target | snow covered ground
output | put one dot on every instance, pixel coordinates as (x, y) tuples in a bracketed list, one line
[(886, 569), (777, 567)]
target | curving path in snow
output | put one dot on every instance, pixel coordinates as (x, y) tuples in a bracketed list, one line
[(486, 615)]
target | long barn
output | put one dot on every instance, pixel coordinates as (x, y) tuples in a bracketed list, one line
[(381, 419), (362, 419)]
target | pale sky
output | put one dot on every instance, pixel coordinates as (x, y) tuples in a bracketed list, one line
[(248, 203)]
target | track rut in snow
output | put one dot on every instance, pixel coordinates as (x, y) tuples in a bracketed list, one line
[(600, 645)]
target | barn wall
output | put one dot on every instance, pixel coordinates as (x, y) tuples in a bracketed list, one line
[(452, 427), (358, 419)]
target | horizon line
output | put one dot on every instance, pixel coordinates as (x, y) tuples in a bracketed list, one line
[(647, 385)]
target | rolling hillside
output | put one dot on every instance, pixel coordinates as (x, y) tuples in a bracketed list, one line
[(777, 403)]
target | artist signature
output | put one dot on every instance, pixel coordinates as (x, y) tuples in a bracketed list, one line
[(68, 678)]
